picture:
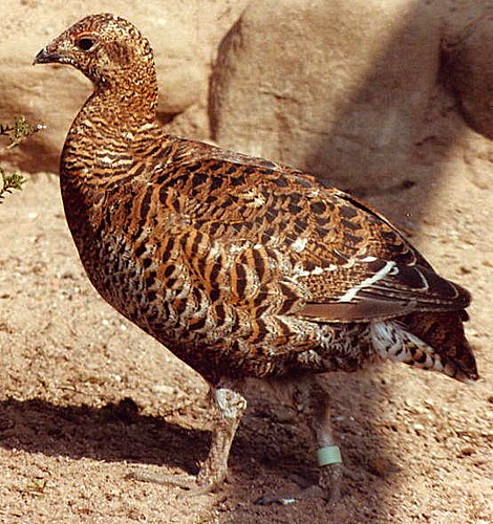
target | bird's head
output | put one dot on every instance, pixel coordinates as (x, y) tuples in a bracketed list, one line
[(105, 48)]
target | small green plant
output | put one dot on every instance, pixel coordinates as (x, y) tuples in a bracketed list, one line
[(14, 133), (9, 182)]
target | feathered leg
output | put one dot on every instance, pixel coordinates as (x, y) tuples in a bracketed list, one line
[(315, 402), (228, 407), (312, 402), (329, 455)]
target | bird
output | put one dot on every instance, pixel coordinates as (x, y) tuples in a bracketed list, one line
[(240, 266)]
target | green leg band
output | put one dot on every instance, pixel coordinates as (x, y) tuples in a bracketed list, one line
[(329, 455)]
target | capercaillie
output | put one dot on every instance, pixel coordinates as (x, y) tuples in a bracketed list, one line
[(242, 267)]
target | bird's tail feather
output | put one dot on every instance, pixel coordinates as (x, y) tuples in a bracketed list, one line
[(444, 332), (434, 341)]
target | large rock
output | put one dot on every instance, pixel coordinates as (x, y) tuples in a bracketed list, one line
[(337, 87), (184, 36), (469, 71)]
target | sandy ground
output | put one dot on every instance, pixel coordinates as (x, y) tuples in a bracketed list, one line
[(85, 397)]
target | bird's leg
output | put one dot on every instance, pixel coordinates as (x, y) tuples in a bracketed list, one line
[(312, 402), (228, 407), (328, 453)]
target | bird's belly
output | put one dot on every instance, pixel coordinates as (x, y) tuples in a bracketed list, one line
[(171, 313), (217, 338), (164, 302)]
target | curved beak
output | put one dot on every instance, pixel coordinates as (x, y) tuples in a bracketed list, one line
[(45, 56)]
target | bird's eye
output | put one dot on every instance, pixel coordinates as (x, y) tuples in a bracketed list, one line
[(85, 43)]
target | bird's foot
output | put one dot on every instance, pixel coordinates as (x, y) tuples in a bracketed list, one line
[(311, 492), (191, 486), (328, 488)]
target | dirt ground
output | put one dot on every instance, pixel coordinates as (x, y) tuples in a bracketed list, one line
[(85, 397)]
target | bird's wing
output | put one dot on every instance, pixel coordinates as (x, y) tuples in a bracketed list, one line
[(374, 288), (335, 258)]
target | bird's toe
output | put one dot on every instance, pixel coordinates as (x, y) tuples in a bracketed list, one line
[(311, 492), (190, 485)]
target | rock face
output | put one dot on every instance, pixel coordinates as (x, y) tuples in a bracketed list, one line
[(469, 58), (184, 34), (336, 87)]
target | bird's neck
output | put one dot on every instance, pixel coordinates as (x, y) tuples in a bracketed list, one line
[(107, 123), (98, 149), (125, 106)]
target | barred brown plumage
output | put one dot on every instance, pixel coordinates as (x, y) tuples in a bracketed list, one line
[(240, 266)]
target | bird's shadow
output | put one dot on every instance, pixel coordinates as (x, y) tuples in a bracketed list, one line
[(120, 432), (115, 432)]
